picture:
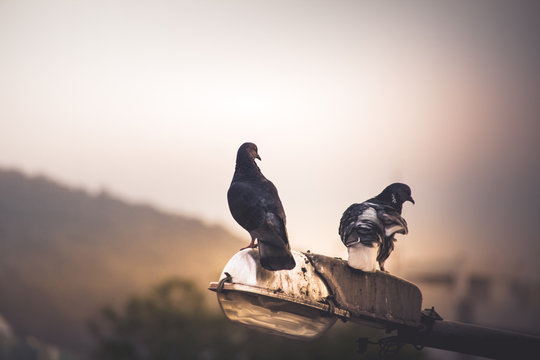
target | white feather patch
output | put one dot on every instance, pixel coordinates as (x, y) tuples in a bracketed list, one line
[(369, 214), (363, 257), (394, 228)]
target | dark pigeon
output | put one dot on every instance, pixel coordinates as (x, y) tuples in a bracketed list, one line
[(254, 203), (369, 227)]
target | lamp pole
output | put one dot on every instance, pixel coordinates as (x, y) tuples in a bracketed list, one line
[(470, 339)]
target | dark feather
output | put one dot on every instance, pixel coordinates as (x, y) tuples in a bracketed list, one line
[(254, 203)]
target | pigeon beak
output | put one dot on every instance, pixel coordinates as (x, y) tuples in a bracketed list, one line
[(258, 157), (411, 199)]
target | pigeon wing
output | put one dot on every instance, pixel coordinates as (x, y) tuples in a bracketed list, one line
[(393, 224), (271, 203), (392, 220), (387, 246), (359, 223), (272, 235), (245, 205)]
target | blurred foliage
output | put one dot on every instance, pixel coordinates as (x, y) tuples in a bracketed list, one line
[(31, 348), (172, 322), (65, 252)]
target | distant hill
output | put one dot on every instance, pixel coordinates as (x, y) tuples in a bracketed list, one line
[(64, 253)]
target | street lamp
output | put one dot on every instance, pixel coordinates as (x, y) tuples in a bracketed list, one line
[(306, 301)]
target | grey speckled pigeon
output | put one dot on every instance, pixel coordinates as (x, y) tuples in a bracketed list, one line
[(368, 228), (254, 203)]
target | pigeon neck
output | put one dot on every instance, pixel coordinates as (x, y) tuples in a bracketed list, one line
[(246, 169), (398, 207), (389, 201)]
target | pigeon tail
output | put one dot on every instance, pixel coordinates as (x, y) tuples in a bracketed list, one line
[(275, 258), (362, 257)]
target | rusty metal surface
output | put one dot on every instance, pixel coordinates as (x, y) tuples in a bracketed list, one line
[(377, 298), (287, 302)]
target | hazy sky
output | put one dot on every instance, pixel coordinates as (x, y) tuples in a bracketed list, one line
[(151, 99)]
